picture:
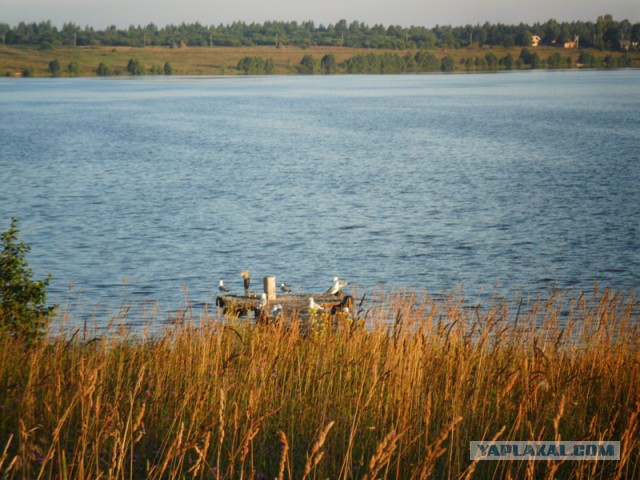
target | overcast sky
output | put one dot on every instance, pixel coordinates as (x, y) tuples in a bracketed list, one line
[(428, 13)]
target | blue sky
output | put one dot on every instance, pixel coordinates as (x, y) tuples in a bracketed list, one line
[(122, 13)]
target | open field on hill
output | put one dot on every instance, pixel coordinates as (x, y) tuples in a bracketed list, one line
[(225, 398), (224, 60)]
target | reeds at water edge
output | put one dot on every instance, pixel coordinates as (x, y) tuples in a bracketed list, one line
[(211, 397)]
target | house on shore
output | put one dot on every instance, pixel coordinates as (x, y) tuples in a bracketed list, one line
[(574, 44)]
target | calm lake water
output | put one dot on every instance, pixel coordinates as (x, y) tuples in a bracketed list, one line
[(130, 190)]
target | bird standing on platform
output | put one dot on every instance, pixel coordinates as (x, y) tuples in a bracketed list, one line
[(260, 312), (284, 288), (263, 301), (276, 311), (222, 288), (337, 286), (314, 306)]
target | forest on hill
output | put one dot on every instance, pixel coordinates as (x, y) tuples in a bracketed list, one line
[(605, 33)]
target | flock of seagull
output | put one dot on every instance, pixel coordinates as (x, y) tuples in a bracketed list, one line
[(276, 310), (335, 288)]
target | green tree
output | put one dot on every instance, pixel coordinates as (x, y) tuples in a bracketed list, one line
[(54, 68), (251, 65), (168, 68), (448, 64), (492, 61), (480, 64), (468, 63), (555, 60), (329, 64), (409, 63), (73, 68), (508, 41), (635, 33), (529, 58), (588, 60), (23, 310), (610, 61), (309, 65), (426, 62), (524, 38), (135, 67), (535, 61), (269, 66), (103, 70), (508, 61)]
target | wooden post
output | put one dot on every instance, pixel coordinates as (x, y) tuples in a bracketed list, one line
[(270, 287)]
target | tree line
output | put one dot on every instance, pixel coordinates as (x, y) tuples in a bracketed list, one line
[(605, 33), (423, 61)]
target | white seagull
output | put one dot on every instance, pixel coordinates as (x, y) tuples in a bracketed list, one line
[(313, 305), (337, 286), (222, 288), (276, 311), (285, 288), (263, 301)]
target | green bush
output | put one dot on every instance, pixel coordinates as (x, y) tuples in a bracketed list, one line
[(103, 70), (135, 67), (54, 68), (73, 68), (23, 310)]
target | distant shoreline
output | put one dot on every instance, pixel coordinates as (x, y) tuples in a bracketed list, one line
[(200, 61)]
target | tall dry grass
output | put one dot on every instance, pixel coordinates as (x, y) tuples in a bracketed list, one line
[(218, 398)]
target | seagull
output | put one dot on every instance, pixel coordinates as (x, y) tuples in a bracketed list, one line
[(276, 310), (313, 305), (263, 301), (222, 288), (337, 286), (285, 288)]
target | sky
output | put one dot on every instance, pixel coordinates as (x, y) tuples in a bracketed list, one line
[(427, 13)]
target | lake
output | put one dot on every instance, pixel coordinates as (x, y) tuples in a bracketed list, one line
[(137, 190)]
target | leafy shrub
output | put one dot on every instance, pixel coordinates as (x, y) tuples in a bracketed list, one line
[(73, 68), (23, 310), (54, 68), (135, 67), (103, 70)]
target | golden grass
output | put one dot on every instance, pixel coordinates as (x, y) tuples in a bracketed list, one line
[(223, 60), (219, 398), (186, 61)]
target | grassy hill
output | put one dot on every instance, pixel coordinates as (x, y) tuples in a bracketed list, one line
[(14, 61)]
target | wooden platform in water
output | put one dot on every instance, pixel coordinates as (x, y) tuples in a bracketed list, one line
[(293, 305)]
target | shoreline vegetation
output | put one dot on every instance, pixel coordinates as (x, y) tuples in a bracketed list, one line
[(91, 61), (213, 397), (276, 47)]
